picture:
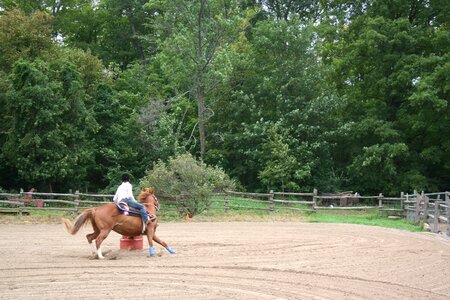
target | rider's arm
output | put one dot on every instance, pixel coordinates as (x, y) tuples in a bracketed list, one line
[(116, 197)]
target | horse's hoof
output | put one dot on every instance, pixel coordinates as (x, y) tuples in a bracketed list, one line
[(170, 250), (151, 251)]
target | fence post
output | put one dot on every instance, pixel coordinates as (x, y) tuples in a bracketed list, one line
[(380, 200), (226, 207), (77, 201), (447, 201), (426, 201), (436, 216), (21, 197), (402, 194), (314, 199), (417, 212), (407, 203), (271, 208)]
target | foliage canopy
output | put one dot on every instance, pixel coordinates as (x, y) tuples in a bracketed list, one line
[(281, 95)]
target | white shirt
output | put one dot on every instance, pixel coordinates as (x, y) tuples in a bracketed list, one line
[(124, 190)]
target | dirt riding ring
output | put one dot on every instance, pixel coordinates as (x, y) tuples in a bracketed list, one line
[(228, 260)]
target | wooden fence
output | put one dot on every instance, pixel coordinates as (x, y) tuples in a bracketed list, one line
[(24, 202), (431, 208)]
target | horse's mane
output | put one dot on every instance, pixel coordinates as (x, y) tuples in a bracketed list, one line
[(145, 193)]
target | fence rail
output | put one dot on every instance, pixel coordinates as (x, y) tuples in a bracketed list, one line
[(24, 202), (431, 208)]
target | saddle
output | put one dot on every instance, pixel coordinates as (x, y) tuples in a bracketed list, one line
[(124, 209)]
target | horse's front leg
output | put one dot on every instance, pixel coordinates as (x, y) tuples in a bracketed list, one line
[(150, 236)]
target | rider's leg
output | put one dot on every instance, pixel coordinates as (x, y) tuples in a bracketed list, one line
[(136, 205)]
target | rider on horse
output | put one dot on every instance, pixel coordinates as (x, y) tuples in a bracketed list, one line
[(124, 194)]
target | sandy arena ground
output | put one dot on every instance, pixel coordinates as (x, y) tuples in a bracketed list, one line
[(236, 260)]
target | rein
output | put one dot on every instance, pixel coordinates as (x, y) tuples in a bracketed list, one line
[(155, 206)]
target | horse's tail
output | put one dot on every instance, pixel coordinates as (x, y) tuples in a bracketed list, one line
[(85, 216)]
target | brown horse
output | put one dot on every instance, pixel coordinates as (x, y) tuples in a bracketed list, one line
[(107, 217)]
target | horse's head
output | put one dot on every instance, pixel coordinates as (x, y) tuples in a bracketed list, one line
[(147, 196)]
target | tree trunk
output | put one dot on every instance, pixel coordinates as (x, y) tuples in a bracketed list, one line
[(201, 117), (199, 83), (137, 44)]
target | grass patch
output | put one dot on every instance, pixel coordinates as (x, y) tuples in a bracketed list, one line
[(364, 218), (35, 216), (236, 215)]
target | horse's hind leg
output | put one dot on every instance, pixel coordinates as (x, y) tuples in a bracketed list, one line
[(98, 241), (164, 244), (159, 241), (151, 235), (92, 236)]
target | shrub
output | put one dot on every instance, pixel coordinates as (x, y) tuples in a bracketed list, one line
[(188, 182)]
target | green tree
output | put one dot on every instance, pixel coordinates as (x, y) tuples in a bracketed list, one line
[(67, 77), (124, 141), (24, 5), (48, 124), (162, 132), (281, 167), (307, 10), (277, 78), (114, 30), (194, 33), (23, 37), (132, 16), (386, 59), (81, 24)]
